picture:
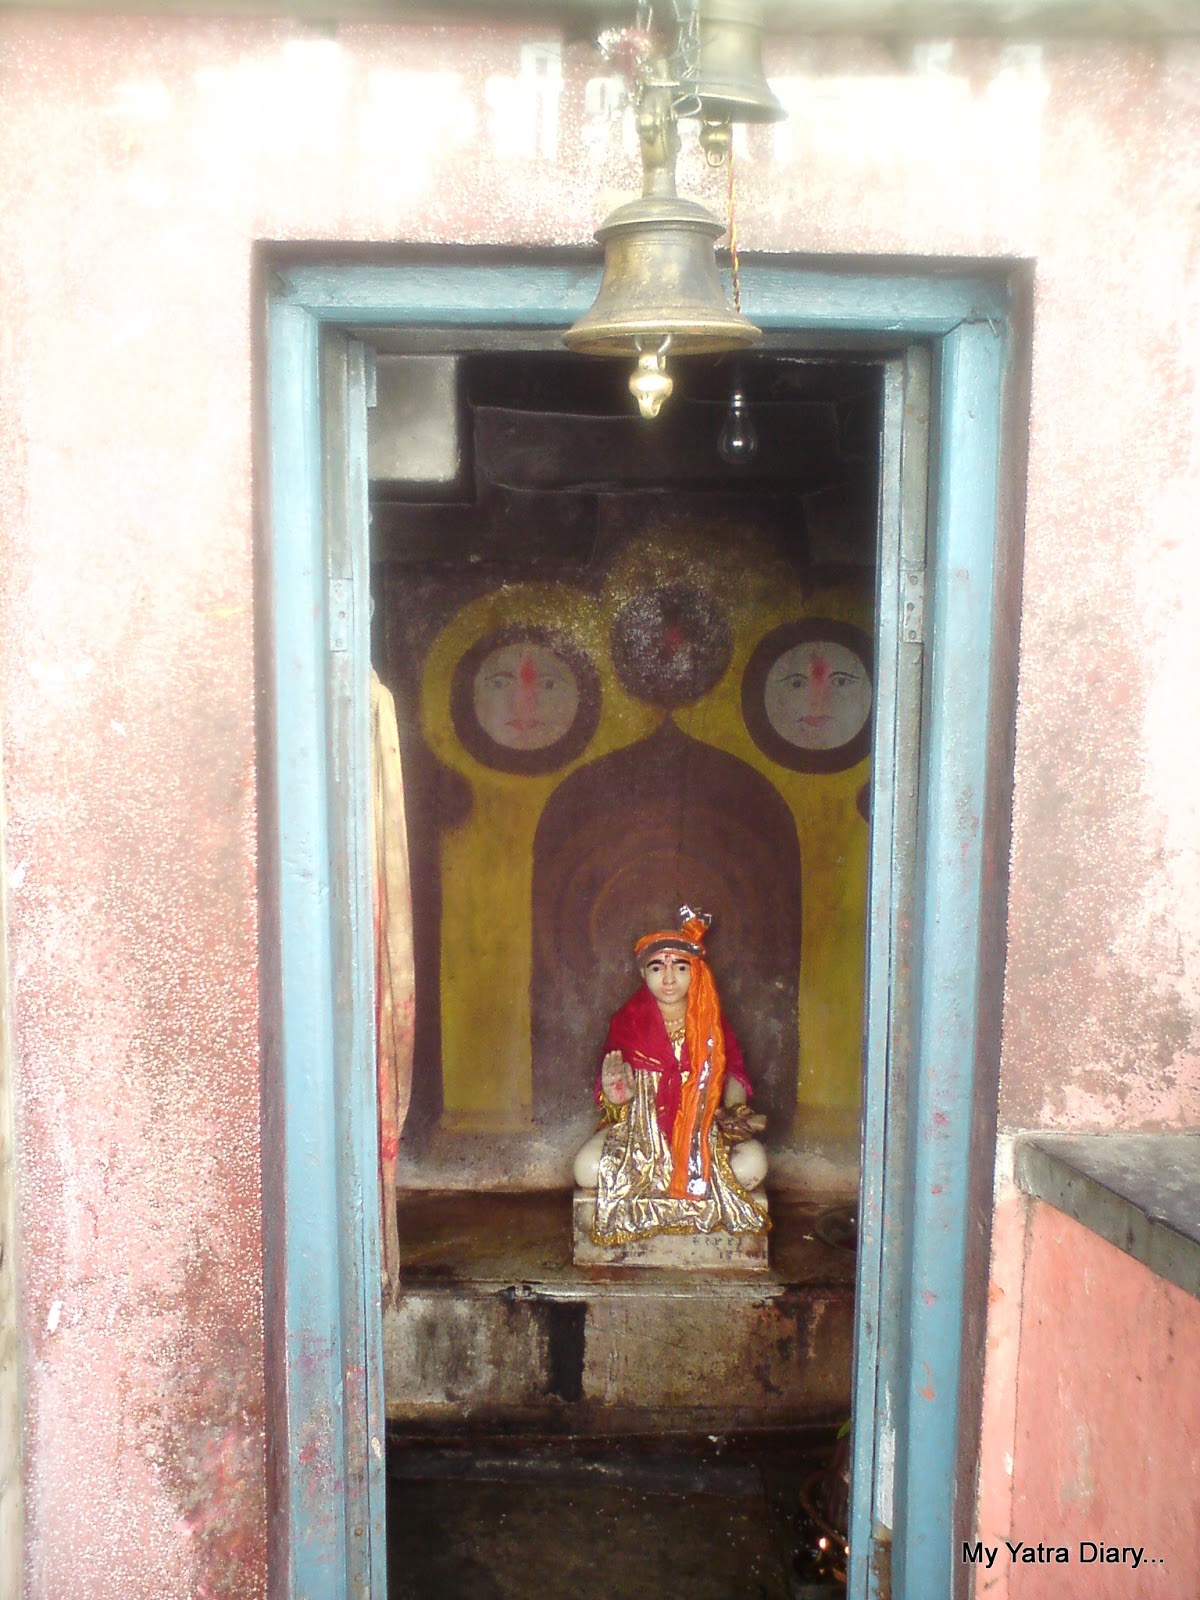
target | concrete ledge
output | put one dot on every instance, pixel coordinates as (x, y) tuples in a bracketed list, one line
[(495, 1326), (660, 1358), (1141, 1192)]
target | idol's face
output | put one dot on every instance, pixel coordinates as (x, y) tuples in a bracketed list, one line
[(668, 977)]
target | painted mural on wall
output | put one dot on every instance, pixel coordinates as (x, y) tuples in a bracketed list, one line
[(688, 721)]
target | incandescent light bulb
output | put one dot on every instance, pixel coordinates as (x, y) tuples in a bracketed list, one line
[(738, 440)]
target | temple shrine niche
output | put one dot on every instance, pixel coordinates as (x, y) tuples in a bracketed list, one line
[(628, 678)]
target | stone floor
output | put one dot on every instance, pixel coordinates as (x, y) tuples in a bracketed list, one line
[(566, 1521), (538, 1449)]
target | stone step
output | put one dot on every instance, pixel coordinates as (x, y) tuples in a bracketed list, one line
[(496, 1326)]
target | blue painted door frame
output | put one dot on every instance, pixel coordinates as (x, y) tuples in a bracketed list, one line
[(321, 1222)]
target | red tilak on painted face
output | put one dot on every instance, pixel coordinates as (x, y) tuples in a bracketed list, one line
[(525, 718), (668, 978), (820, 682)]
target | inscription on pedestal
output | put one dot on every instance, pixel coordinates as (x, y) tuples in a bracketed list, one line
[(691, 1252)]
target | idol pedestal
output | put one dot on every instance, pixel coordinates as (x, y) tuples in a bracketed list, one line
[(691, 1252)]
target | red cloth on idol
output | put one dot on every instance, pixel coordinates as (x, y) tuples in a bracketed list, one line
[(638, 1031)]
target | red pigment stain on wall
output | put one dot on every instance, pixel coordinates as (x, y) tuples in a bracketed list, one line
[(1108, 1420)]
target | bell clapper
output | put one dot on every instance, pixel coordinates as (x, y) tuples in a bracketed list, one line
[(651, 383), (716, 135)]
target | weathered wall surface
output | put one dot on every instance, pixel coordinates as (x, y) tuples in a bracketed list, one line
[(11, 1501), (141, 159), (1107, 1427)]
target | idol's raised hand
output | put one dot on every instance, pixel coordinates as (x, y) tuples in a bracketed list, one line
[(616, 1078)]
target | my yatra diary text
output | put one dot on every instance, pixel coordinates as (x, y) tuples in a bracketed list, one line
[(1084, 1553)]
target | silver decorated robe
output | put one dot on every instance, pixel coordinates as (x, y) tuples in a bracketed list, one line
[(635, 1173)]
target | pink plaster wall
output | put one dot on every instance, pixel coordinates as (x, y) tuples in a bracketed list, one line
[(141, 160), (993, 1520), (1107, 1425)]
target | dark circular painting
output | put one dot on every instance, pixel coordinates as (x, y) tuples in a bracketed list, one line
[(525, 700), (671, 645), (807, 693)]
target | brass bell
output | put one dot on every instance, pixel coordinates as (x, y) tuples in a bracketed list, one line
[(660, 269), (729, 81), (660, 277)]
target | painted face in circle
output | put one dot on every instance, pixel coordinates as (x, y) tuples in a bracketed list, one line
[(668, 978), (817, 695), (526, 696)]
